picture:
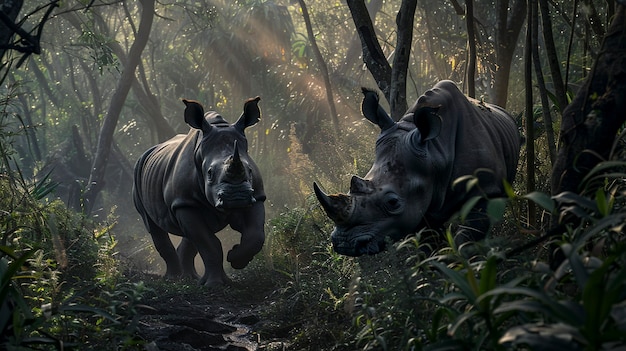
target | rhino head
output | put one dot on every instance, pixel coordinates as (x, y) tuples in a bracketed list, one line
[(392, 199), (230, 178)]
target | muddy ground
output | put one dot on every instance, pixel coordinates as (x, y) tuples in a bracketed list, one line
[(181, 316)]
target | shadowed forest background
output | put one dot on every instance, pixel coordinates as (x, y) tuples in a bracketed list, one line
[(88, 86)]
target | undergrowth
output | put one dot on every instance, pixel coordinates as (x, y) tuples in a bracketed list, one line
[(414, 297), (60, 285)]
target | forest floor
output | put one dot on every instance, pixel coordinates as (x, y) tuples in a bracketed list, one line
[(184, 316)]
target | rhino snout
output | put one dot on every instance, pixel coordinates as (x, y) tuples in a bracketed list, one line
[(364, 244), (234, 196)]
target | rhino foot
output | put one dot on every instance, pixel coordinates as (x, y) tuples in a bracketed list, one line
[(214, 280), (237, 261)]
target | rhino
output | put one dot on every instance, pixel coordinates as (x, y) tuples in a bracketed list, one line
[(442, 137), (194, 185)]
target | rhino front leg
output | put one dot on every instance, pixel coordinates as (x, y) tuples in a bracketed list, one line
[(187, 252), (199, 230), (251, 224)]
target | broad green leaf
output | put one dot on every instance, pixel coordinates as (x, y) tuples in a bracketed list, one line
[(541, 199), (601, 203), (496, 208), (488, 275), (458, 279), (568, 197)]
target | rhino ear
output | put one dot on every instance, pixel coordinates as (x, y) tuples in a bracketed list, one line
[(428, 122), (251, 114), (194, 113), (373, 111)]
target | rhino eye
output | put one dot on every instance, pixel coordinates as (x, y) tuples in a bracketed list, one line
[(392, 203), (210, 175)]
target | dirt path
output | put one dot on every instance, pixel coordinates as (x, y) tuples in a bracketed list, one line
[(229, 318)]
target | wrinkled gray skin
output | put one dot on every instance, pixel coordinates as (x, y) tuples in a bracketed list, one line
[(194, 185), (442, 137)]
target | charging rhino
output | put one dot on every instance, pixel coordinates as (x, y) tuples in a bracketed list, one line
[(194, 185), (442, 137)]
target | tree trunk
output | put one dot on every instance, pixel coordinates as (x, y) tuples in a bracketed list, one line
[(397, 93), (553, 59), (545, 101), (530, 128), (96, 178), (390, 80), (354, 50), (373, 55), (591, 122), (507, 32), (471, 46)]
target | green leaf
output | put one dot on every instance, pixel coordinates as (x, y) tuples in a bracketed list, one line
[(496, 208), (488, 275), (568, 197), (468, 206), (541, 199), (459, 321), (600, 168), (539, 302), (508, 189), (458, 279)]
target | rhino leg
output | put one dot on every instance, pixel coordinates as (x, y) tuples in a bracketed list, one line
[(166, 249), (187, 253), (207, 244), (250, 223)]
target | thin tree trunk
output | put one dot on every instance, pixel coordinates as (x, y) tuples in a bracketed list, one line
[(373, 55), (471, 45), (545, 102), (390, 80), (507, 32), (96, 178), (322, 66), (397, 93), (553, 59), (530, 134)]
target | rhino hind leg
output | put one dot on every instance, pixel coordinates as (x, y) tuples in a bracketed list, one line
[(187, 252), (166, 249)]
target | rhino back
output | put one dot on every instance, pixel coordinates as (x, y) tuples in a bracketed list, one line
[(166, 178), (475, 135)]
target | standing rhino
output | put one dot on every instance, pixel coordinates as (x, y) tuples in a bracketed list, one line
[(194, 185), (442, 137)]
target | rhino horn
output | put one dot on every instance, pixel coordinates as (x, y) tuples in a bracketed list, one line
[(338, 206), (236, 170)]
